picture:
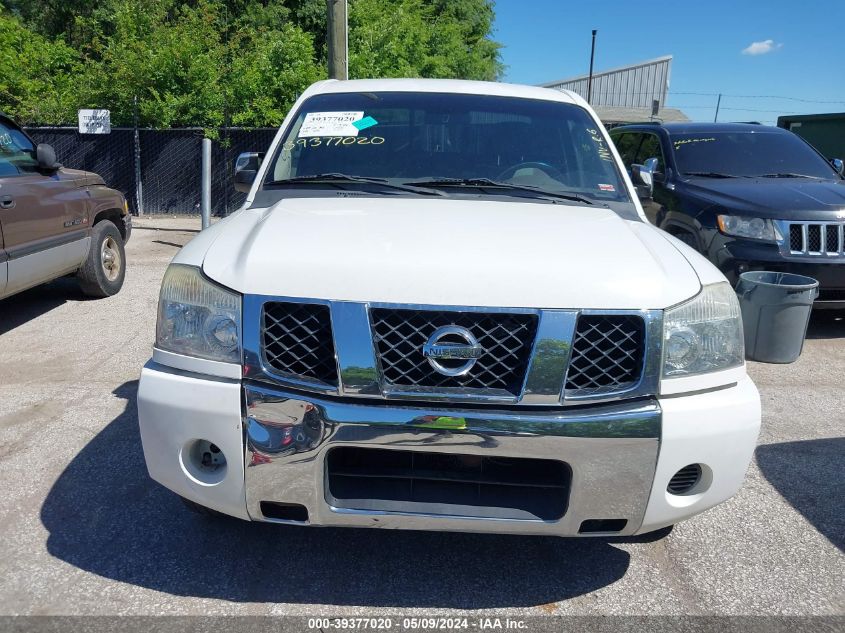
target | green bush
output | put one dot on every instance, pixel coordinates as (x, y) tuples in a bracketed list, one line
[(205, 63)]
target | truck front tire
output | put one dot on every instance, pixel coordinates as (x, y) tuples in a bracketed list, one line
[(103, 271)]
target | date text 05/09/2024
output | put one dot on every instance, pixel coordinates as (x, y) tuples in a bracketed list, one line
[(417, 624)]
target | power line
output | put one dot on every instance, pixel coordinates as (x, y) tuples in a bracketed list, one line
[(751, 109), (716, 94), (787, 98)]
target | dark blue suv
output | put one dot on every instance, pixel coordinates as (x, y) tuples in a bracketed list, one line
[(749, 197)]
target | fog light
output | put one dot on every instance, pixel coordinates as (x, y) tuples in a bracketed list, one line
[(204, 462), (684, 480)]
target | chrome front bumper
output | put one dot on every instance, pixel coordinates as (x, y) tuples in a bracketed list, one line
[(612, 452), (276, 443)]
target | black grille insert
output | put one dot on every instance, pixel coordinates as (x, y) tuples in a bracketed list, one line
[(796, 238), (684, 480), (832, 238), (814, 238), (297, 340), (607, 353), (447, 485), (506, 338)]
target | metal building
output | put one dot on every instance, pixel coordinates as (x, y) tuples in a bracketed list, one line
[(636, 86), (628, 95)]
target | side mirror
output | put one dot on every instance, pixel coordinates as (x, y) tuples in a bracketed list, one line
[(246, 168), (838, 165), (46, 157), (643, 177)]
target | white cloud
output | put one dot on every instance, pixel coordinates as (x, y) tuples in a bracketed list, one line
[(761, 48)]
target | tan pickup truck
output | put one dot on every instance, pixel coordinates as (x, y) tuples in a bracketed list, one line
[(56, 221)]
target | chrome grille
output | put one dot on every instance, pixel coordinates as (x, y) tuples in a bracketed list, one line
[(297, 341), (607, 353), (528, 357), (815, 238), (400, 334)]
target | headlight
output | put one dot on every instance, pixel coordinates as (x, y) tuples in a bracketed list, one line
[(197, 317), (704, 334), (741, 226)]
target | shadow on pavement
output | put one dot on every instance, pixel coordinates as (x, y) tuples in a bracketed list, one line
[(826, 324), (21, 308), (139, 227), (106, 516), (811, 477), (175, 244)]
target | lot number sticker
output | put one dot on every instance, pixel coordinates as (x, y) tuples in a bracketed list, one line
[(330, 124)]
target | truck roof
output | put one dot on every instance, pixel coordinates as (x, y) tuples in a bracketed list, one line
[(704, 128), (457, 86)]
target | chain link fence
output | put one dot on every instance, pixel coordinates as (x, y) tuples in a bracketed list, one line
[(166, 163)]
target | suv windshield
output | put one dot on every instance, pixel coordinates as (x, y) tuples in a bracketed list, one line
[(748, 154), (453, 143)]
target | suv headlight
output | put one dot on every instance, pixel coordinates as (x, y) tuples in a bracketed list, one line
[(197, 317), (704, 334), (753, 228)]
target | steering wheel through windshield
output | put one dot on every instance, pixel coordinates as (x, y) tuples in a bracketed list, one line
[(547, 169)]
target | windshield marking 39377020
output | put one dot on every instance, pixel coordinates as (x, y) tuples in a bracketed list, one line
[(454, 144)]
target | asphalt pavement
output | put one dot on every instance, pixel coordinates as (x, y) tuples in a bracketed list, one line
[(83, 530)]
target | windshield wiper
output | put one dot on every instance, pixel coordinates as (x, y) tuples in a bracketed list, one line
[(338, 178), (482, 183), (709, 174), (784, 175)]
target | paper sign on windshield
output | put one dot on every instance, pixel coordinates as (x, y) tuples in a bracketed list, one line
[(330, 124)]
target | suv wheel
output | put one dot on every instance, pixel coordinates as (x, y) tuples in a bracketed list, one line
[(103, 272)]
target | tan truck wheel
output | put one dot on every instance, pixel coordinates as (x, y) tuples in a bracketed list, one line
[(103, 272)]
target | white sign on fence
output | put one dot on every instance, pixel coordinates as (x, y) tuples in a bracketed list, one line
[(94, 122)]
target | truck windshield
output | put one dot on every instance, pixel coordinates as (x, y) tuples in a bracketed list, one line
[(748, 154), (453, 143), (16, 151)]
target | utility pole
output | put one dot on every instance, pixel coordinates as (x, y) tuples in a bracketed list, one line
[(338, 39), (590, 80), (718, 103)]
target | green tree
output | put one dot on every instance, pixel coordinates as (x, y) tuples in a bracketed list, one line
[(268, 75), (37, 76), (206, 62), (418, 38), (170, 57)]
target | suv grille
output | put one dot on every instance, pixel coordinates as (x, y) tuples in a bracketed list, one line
[(607, 353), (808, 238), (506, 338), (296, 340)]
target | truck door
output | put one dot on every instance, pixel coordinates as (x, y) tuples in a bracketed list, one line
[(4, 266), (43, 216)]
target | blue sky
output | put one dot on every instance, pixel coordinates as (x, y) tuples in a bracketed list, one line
[(800, 49)]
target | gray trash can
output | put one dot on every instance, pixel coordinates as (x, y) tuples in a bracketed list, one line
[(775, 312)]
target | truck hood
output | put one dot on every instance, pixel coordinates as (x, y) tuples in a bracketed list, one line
[(775, 198), (81, 178), (449, 252)]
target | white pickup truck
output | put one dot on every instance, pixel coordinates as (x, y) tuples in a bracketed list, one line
[(441, 308)]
